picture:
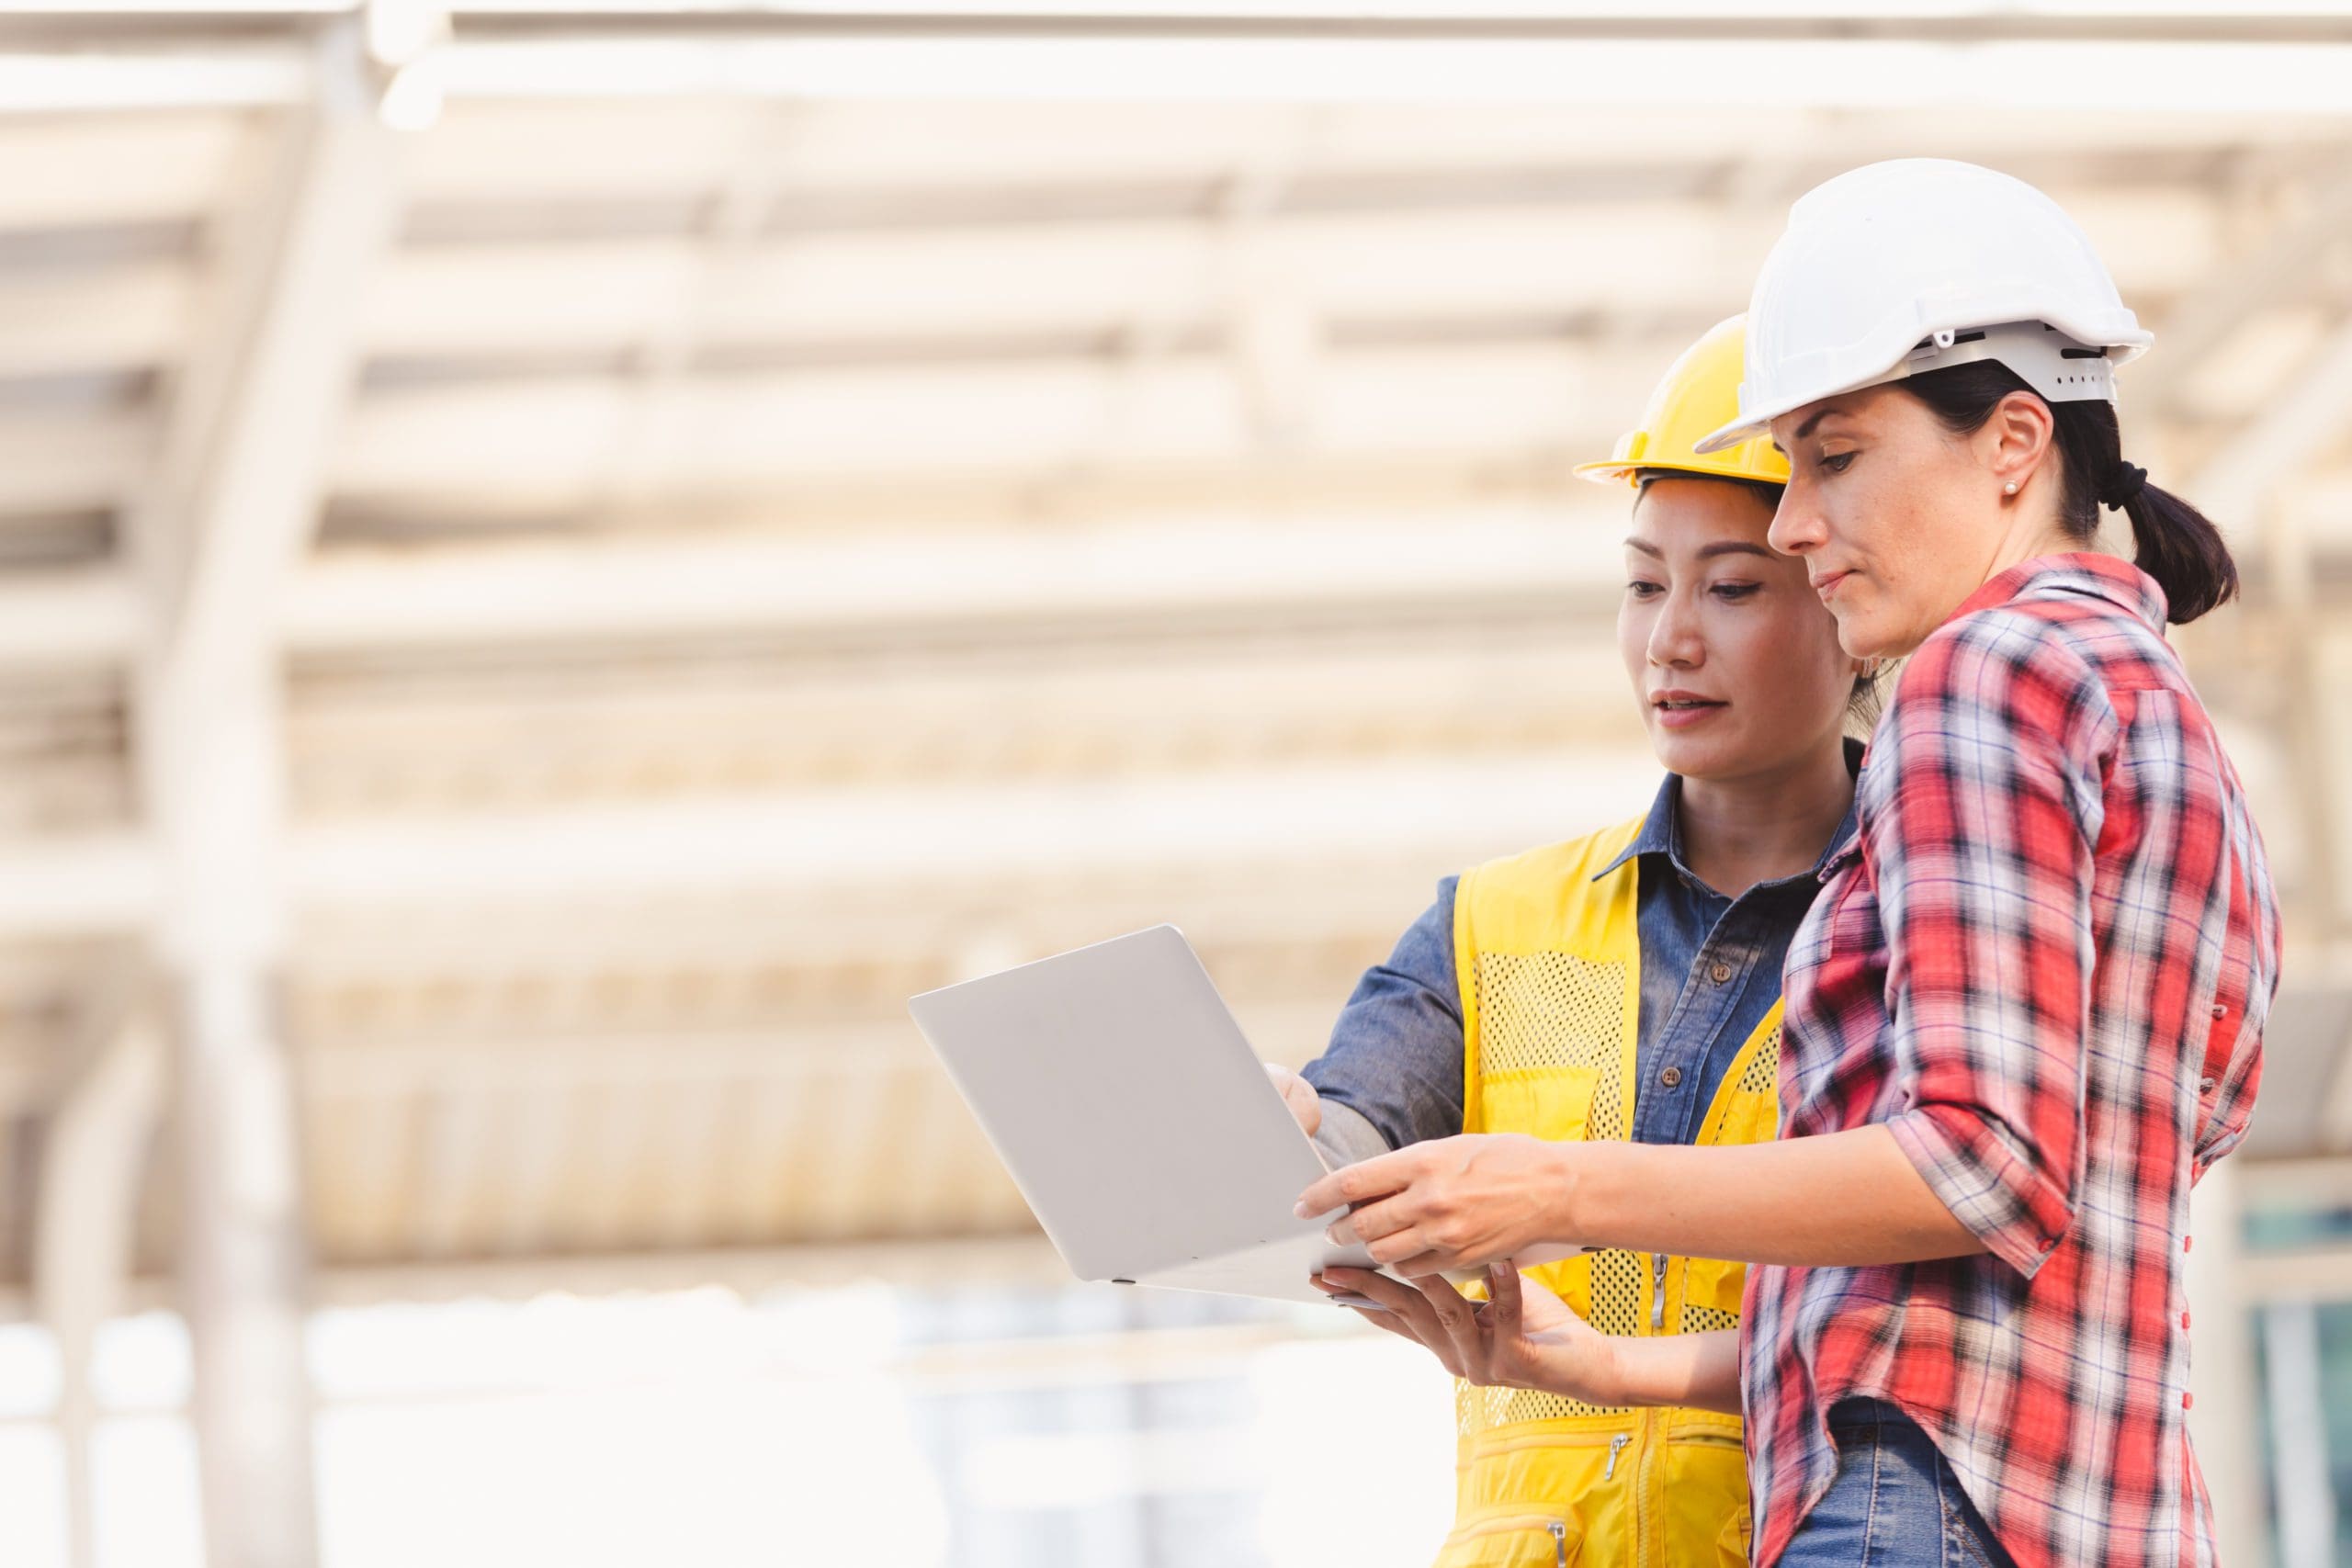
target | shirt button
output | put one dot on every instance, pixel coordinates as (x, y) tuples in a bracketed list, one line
[(1720, 973), (2220, 1010), (2184, 1321), (2185, 1242), (1671, 1077), (2204, 1086), (2188, 1402)]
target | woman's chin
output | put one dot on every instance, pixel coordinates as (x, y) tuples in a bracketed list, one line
[(1695, 756), (1862, 635)]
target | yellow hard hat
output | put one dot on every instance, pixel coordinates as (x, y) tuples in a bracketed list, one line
[(1699, 394)]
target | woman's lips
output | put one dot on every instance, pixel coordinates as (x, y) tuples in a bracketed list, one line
[(1826, 586), (1681, 713)]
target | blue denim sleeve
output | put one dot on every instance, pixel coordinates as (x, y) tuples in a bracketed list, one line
[(1396, 1055)]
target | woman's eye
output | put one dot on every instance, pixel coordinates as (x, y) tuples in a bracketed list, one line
[(1642, 590), (1839, 462), (1735, 591)]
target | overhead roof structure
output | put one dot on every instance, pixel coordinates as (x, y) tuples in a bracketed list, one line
[(723, 561)]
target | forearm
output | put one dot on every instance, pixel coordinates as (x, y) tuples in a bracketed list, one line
[(1691, 1371), (1846, 1200), (1346, 1136)]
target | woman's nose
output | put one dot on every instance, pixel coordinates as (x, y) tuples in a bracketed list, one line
[(1674, 635), (1797, 527)]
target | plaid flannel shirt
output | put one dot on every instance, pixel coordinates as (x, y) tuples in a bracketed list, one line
[(2043, 963)]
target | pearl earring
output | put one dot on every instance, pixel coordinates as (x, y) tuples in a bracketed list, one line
[(2010, 488)]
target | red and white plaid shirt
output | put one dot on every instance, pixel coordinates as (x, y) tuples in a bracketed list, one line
[(2043, 963)]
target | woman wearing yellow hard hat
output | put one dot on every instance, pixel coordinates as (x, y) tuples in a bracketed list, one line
[(1623, 984)]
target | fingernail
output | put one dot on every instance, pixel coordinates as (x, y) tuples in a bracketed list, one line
[(1302, 1210)]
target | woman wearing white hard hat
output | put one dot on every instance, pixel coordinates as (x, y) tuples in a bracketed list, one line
[(2026, 1013)]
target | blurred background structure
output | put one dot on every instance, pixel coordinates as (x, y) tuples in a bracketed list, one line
[(556, 564)]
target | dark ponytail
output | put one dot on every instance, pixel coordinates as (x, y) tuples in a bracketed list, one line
[(2176, 544)]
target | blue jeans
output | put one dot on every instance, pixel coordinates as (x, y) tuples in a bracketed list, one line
[(1894, 1503)]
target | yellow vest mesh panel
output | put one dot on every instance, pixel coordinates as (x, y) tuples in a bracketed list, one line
[(1761, 1076), (1539, 1011)]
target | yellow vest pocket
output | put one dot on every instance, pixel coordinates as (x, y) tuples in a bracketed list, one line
[(1553, 1103), (1522, 1541)]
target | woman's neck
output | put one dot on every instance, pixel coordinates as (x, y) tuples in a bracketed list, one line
[(1738, 833)]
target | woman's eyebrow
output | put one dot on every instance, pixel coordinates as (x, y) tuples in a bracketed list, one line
[(1733, 547), (1805, 429), (1646, 548)]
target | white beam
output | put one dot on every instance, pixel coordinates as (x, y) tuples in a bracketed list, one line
[(2253, 66), (2246, 78), (355, 601), (1300, 815), (92, 1162), (2303, 1489), (87, 885), (477, 1064), (232, 503), (1024, 1259), (487, 151), (1332, 818), (545, 440), (159, 166), (83, 615)]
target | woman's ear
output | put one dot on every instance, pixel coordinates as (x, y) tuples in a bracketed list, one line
[(2017, 438)]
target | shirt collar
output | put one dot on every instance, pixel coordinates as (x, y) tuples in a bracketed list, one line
[(2080, 572), (1661, 831)]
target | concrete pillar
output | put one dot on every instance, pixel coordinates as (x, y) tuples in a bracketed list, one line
[(243, 1275)]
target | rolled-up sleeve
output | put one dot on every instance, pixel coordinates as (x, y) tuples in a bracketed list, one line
[(1395, 1057), (1982, 811)]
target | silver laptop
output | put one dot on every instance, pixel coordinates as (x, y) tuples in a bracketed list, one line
[(1137, 1120)]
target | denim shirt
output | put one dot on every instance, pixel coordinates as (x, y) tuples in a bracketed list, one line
[(1392, 1073)]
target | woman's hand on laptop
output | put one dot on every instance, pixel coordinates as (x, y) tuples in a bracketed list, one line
[(1524, 1337), (1305, 1105), (1447, 1203)]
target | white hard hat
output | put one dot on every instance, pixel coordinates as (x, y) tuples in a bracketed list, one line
[(1916, 264)]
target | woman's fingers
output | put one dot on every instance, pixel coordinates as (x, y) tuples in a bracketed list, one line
[(1381, 1318), (1403, 1300), (1368, 1225), (1506, 1317), (1362, 1182), (1503, 1287), (1459, 1318), (1408, 1313)]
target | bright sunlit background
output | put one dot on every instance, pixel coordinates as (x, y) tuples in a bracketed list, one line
[(559, 562)]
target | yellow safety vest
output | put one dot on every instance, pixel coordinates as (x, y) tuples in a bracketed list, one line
[(1549, 968)]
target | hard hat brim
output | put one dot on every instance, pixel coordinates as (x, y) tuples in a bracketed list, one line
[(2017, 345), (1605, 472), (1724, 438), (1629, 473)]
